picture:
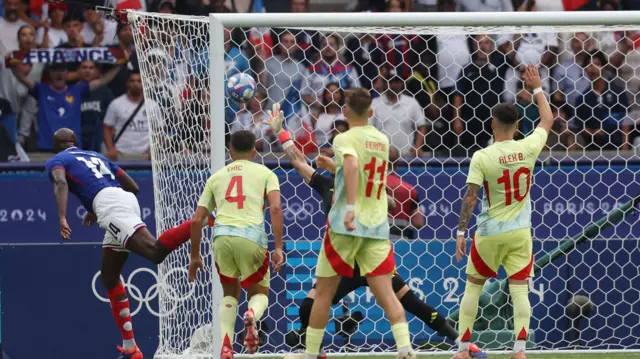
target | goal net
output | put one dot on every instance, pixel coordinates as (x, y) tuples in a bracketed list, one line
[(434, 79)]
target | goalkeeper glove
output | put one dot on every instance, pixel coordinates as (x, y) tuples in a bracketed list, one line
[(276, 121)]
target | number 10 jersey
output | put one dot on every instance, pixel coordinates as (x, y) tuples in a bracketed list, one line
[(371, 148), (238, 191), (504, 169)]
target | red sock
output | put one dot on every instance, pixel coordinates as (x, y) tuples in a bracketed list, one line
[(120, 311), (174, 237)]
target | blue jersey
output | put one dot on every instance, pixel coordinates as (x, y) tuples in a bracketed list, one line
[(88, 173), (57, 110)]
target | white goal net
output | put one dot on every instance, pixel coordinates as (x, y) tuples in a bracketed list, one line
[(434, 85)]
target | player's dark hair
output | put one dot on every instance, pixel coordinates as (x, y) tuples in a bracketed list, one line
[(358, 100), (506, 114), (243, 141)]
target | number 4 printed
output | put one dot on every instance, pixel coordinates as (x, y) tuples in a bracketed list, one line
[(239, 198)]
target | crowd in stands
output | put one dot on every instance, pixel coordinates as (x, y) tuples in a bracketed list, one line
[(433, 94)]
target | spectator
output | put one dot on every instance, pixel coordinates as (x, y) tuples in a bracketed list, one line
[(528, 49), (252, 119), (602, 108), (339, 126), (73, 27), (452, 54), (125, 42), (363, 54), (166, 7), (284, 76), (94, 107), (485, 5), (406, 218), (324, 116), (126, 126), (299, 6), (399, 117), (423, 86), (22, 108), (10, 23), (96, 30), (478, 91), (569, 75), (26, 43), (53, 33), (561, 139), (59, 104), (193, 128), (329, 68)]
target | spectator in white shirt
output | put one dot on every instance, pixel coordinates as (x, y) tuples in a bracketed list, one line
[(324, 116), (453, 54), (52, 33), (400, 117), (484, 5), (284, 76), (96, 30), (252, 119), (132, 139), (10, 23)]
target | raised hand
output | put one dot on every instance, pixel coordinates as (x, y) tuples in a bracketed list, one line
[(532, 77), (276, 118)]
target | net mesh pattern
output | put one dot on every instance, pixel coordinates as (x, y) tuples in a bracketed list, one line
[(585, 293)]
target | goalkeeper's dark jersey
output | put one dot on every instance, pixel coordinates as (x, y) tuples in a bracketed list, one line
[(324, 186)]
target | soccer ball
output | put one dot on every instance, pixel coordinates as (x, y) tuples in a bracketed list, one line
[(241, 87)]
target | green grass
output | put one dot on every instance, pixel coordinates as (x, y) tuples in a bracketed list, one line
[(503, 356)]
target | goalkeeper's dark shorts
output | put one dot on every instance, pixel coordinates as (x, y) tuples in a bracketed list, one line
[(348, 285)]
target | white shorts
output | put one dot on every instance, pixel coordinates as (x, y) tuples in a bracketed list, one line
[(118, 214)]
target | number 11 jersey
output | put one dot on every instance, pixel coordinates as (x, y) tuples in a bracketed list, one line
[(504, 169), (371, 148), (238, 191)]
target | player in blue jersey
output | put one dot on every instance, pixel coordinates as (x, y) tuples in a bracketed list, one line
[(108, 195)]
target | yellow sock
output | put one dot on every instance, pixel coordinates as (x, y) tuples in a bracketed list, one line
[(314, 340), (521, 313), (259, 303), (401, 335), (468, 312), (228, 314)]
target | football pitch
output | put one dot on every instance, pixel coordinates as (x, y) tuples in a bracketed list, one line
[(496, 356)]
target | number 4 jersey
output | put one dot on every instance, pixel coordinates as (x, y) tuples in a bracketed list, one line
[(504, 169), (238, 191), (87, 172), (371, 148)]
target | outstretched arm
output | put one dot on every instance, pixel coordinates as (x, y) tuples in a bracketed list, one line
[(104, 79), (534, 83), (24, 79), (61, 192), (468, 204), (299, 162)]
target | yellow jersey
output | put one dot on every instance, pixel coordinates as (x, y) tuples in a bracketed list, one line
[(504, 169), (238, 191), (371, 148)]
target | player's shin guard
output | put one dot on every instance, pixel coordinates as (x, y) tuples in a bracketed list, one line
[(122, 315), (521, 314), (176, 236), (400, 333), (258, 303), (228, 314), (314, 341), (427, 314), (468, 311)]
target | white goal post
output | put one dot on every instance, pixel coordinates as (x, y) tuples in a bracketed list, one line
[(585, 295)]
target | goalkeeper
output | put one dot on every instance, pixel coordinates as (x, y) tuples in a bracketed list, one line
[(324, 186)]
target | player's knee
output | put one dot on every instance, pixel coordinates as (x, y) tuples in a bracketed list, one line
[(158, 253)]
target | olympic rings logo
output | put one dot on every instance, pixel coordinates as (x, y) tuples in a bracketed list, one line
[(298, 211), (171, 293)]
